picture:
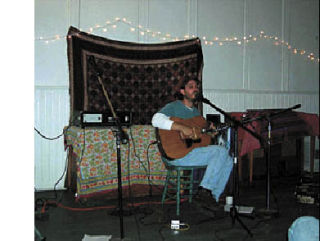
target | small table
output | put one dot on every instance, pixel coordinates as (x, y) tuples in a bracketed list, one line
[(247, 143), (92, 151)]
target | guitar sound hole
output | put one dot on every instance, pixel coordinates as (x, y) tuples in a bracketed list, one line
[(189, 142)]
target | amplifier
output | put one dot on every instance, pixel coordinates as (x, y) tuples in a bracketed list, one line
[(104, 119)]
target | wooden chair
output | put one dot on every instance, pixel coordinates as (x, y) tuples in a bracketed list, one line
[(180, 180)]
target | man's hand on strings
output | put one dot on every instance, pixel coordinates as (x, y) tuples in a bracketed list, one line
[(187, 132)]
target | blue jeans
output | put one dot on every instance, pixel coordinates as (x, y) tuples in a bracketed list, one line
[(304, 228), (219, 166)]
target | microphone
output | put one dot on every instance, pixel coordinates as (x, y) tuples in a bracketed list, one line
[(296, 106), (200, 98), (204, 130), (218, 129)]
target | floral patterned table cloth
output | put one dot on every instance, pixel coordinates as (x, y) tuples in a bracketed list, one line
[(96, 158)]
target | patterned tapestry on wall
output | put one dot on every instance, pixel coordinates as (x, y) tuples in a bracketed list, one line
[(138, 78)]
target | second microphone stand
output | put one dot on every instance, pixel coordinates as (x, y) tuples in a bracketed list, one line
[(267, 145), (233, 210), (234, 124)]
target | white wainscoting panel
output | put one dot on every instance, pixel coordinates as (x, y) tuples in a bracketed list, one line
[(51, 115)]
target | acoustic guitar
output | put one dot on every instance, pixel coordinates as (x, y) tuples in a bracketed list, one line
[(176, 147)]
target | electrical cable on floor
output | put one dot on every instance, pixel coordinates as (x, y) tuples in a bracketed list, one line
[(221, 230), (58, 203), (55, 185), (161, 219), (148, 171), (211, 219), (48, 202), (57, 182), (77, 209), (145, 213), (186, 227), (160, 232), (252, 228), (130, 192)]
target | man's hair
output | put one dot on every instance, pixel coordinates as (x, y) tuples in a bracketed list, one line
[(186, 80), (178, 95)]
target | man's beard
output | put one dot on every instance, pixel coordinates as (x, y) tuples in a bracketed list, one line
[(193, 97)]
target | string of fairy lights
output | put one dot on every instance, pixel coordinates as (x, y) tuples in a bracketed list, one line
[(111, 25)]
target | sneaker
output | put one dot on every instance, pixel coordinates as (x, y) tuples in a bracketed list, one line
[(203, 194), (222, 198), (205, 198)]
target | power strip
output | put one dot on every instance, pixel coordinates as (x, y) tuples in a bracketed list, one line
[(175, 224)]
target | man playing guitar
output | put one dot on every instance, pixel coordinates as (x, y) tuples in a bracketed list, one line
[(180, 121)]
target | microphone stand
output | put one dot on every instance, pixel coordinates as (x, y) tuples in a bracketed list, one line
[(234, 124), (267, 211), (121, 137)]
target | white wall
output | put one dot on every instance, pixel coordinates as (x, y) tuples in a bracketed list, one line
[(257, 74)]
